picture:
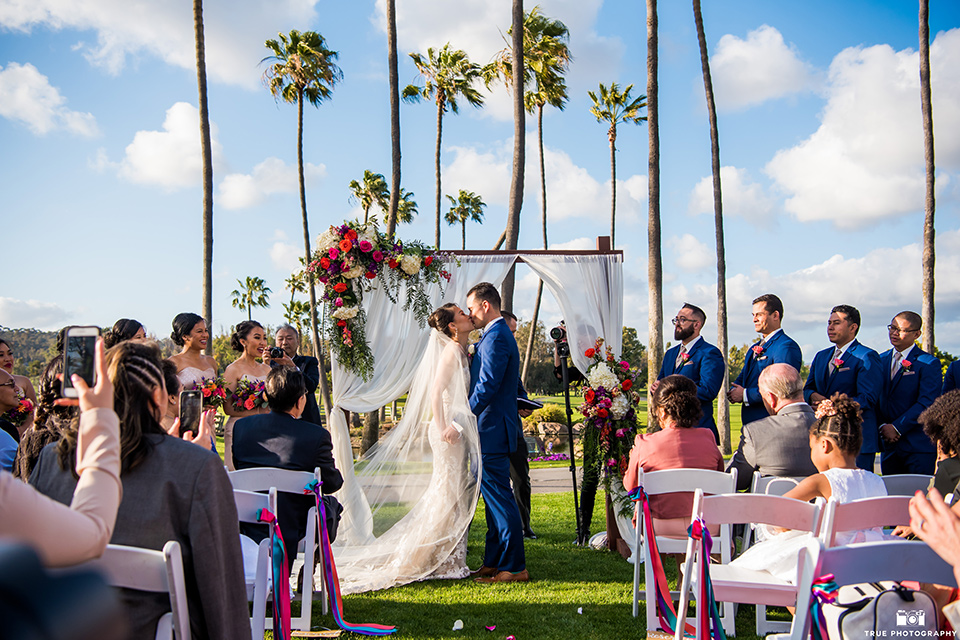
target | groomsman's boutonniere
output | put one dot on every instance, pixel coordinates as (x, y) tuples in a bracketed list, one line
[(685, 356), (905, 365), (757, 349), (837, 362)]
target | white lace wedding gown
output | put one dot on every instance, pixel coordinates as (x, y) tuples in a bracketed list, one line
[(422, 490)]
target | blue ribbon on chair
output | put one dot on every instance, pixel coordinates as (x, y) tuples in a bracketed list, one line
[(330, 574), (707, 610), (823, 591), (281, 578)]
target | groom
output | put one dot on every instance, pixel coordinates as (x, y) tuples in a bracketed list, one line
[(494, 372)]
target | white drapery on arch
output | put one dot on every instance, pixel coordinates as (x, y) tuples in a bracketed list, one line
[(588, 289)]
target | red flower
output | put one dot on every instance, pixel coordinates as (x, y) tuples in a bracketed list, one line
[(340, 287), (325, 262), (427, 260), (345, 245), (206, 393), (370, 275), (393, 263), (589, 395), (350, 235), (626, 385), (589, 353), (603, 413), (249, 404), (341, 323), (906, 364)]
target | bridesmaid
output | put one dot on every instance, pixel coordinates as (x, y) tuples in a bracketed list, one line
[(24, 386), (248, 339), (190, 333), (124, 329)]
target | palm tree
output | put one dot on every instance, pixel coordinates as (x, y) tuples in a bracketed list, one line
[(929, 254), (205, 150), (253, 292), (615, 106), (406, 207), (372, 191), (467, 206), (515, 203), (302, 68), (295, 284), (547, 57), (447, 74), (395, 195), (297, 313), (723, 405), (654, 259)]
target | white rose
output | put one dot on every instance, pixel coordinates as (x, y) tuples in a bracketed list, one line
[(410, 264), (600, 375), (328, 239), (355, 272), (620, 407), (345, 313)]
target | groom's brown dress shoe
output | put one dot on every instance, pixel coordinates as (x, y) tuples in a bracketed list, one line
[(484, 572), (505, 576)]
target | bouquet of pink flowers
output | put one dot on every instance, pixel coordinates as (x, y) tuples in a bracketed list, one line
[(211, 390), (248, 396), (19, 414)]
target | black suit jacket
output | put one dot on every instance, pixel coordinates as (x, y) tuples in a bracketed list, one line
[(280, 440), (310, 368)]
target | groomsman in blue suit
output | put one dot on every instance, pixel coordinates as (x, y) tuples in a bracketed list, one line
[(774, 347), (951, 380), (851, 368), (695, 359), (494, 374), (911, 383)]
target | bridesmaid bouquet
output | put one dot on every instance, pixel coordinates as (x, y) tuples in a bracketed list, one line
[(19, 414), (212, 391), (248, 396)]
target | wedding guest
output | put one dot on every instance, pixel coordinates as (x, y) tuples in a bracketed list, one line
[(172, 490), (941, 423), (191, 335), (284, 440), (951, 379), (678, 445), (696, 359), (124, 329), (31, 518), (778, 445), (52, 418), (519, 462), (912, 380), (939, 526), (852, 369), (247, 339), (288, 339), (8, 433), (774, 347), (23, 382)]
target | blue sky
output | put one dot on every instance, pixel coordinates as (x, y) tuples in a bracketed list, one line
[(819, 123)]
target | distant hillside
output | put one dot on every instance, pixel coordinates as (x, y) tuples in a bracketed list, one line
[(31, 349)]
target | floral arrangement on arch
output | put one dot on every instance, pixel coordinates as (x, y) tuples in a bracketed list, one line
[(212, 391), (610, 410), (249, 395), (355, 257)]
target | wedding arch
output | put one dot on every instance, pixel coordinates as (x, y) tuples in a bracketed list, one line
[(587, 285)]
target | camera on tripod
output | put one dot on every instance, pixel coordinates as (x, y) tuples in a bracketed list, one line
[(559, 336)]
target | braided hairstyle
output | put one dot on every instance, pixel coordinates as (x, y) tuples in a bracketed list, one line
[(49, 392), (441, 319), (841, 420), (136, 372), (941, 422)]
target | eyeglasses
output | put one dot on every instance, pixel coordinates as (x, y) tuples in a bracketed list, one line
[(892, 328), (678, 320), (9, 384)]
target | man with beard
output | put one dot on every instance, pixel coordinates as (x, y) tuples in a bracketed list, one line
[(694, 359)]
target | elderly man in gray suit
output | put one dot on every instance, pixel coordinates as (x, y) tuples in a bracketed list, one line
[(778, 445)]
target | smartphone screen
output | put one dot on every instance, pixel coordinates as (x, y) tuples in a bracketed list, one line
[(190, 410), (79, 346)]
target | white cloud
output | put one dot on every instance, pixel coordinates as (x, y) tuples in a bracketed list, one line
[(741, 197), (32, 313), (762, 67), (273, 175), (690, 254), (865, 162), (234, 30), (577, 244), (26, 96), (284, 254), (170, 158)]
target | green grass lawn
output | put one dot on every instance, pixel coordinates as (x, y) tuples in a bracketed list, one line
[(565, 579)]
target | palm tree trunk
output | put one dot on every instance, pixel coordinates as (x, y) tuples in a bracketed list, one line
[(503, 236), (394, 116), (613, 183), (723, 406), (463, 233), (533, 333), (207, 169), (371, 431), (929, 253), (439, 133), (543, 217), (654, 261), (519, 143), (250, 311), (314, 330)]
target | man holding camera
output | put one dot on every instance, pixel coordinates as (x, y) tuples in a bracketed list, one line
[(285, 355)]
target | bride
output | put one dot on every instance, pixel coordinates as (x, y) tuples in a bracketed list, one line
[(422, 479)]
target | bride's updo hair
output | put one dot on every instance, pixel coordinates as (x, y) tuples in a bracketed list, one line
[(840, 419), (241, 332), (441, 319)]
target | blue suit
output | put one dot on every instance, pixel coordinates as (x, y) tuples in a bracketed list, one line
[(904, 398), (705, 367), (779, 348), (860, 376), (494, 376), (951, 380)]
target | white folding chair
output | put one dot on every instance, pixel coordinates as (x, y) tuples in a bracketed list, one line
[(658, 483), (867, 513), (261, 479), (249, 504), (771, 486), (906, 484), (867, 562), (154, 571), (732, 584)]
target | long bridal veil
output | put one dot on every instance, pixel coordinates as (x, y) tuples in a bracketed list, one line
[(421, 490)]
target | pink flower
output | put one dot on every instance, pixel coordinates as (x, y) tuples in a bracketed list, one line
[(334, 253), (377, 256), (757, 349), (621, 433), (837, 362), (365, 246), (685, 356), (906, 364), (611, 462), (338, 302), (624, 365)]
